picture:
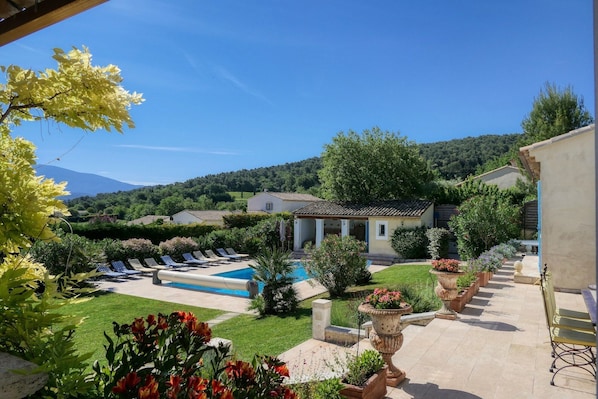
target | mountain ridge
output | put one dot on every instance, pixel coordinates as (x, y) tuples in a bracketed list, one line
[(81, 184)]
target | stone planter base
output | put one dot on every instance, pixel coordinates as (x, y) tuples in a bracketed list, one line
[(374, 388)]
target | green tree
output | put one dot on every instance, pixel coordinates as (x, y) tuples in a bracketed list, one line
[(78, 95), (554, 112), (375, 165)]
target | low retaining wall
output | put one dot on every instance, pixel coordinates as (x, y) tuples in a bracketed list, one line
[(207, 281), (323, 330)]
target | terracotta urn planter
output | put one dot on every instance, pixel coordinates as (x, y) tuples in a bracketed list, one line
[(447, 290), (386, 336), (374, 388)]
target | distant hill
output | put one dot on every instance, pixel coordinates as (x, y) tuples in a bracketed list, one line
[(453, 159), (83, 184)]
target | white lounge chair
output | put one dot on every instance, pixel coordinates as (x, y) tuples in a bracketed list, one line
[(199, 255), (137, 265), (151, 262), (211, 255)]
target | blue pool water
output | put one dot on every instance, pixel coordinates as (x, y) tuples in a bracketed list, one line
[(245, 274)]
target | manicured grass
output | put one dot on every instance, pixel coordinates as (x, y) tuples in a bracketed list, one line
[(344, 310), (270, 335), (104, 308)]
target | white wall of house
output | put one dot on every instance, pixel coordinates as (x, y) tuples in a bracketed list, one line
[(266, 202), (504, 177), (380, 244), (568, 207)]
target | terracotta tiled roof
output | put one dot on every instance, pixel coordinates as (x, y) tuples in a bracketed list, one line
[(293, 196), (404, 208)]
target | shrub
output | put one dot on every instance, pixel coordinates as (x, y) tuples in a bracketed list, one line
[(274, 267), (336, 263), (169, 356), (177, 246), (438, 242), (363, 366), (421, 297), (482, 222), (73, 253), (140, 248), (410, 243)]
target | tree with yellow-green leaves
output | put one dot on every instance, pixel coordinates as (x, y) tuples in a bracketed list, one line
[(79, 95)]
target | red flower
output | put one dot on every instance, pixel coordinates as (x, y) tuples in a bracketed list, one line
[(149, 390), (199, 328), (151, 320), (127, 382), (162, 322), (240, 370), (138, 326), (175, 387), (282, 370)]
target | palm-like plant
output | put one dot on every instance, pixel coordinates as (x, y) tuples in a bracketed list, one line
[(274, 267)]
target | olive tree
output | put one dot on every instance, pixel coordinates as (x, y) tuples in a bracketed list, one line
[(373, 165)]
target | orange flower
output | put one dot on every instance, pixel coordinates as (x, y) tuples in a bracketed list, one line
[(128, 381), (200, 329), (282, 370), (149, 390), (240, 369)]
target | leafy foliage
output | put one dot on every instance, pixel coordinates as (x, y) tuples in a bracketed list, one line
[(410, 243), (438, 246), (274, 267), (363, 366), (76, 94), (375, 165), (336, 263), (554, 112), (177, 246), (484, 221)]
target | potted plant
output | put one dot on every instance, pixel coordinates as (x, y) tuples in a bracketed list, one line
[(465, 291), (365, 376), (385, 308), (447, 271)]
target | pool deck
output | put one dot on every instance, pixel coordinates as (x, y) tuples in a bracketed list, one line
[(142, 286)]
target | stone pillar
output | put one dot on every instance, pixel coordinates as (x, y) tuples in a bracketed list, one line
[(297, 235), (319, 231), (14, 385), (321, 309)]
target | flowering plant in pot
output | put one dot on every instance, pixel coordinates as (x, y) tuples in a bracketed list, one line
[(365, 376), (383, 298), (446, 265)]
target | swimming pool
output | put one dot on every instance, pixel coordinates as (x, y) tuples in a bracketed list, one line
[(299, 274)]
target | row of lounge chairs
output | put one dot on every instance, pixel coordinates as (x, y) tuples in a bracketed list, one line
[(197, 259)]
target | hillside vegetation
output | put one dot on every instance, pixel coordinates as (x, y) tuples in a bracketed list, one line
[(452, 160)]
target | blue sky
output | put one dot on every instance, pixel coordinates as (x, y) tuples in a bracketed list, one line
[(232, 85)]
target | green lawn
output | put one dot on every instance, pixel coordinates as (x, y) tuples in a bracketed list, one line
[(104, 308), (250, 335)]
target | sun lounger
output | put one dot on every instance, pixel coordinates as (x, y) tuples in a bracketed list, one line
[(199, 255), (225, 254), (190, 260), (109, 273), (168, 261), (137, 265), (151, 262), (119, 266), (211, 255), (233, 252)]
